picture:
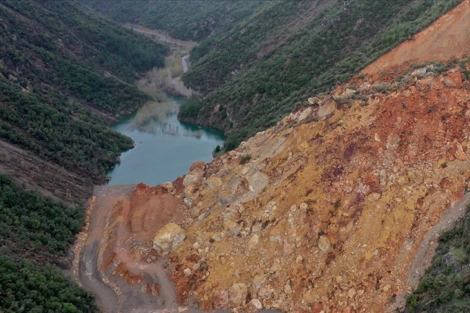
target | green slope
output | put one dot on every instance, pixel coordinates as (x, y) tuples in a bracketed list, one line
[(265, 58), (446, 285), (184, 19), (64, 76), (270, 64), (36, 232)]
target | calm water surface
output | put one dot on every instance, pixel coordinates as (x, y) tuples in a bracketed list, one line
[(164, 149)]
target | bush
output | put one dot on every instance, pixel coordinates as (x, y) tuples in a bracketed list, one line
[(190, 109), (245, 159)]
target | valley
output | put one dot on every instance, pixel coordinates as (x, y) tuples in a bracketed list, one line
[(335, 180), (337, 208)]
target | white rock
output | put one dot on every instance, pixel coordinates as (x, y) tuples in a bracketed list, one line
[(253, 243), (237, 294), (306, 113), (256, 304), (324, 243), (327, 108), (168, 238)]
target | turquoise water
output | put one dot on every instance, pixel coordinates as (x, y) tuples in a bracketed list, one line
[(164, 148)]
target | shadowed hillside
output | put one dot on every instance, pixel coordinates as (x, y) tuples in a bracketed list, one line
[(66, 74)]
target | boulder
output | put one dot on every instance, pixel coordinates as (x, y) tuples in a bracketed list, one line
[(453, 79), (256, 304), (306, 113), (237, 294), (253, 243), (393, 141), (168, 238), (347, 94), (324, 243), (312, 100), (193, 178), (420, 72), (257, 180), (457, 150), (233, 227), (197, 164), (327, 108)]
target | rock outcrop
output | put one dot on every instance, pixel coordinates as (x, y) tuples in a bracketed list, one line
[(168, 238)]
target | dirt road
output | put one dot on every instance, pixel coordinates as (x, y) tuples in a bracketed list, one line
[(123, 282), (114, 293)]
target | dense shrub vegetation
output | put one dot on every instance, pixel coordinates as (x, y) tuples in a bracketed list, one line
[(259, 65), (31, 222), (265, 67), (99, 42), (61, 64), (65, 75), (43, 230), (27, 287), (190, 108), (446, 284), (187, 20)]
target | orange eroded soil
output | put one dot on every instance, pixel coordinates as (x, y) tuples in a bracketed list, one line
[(448, 37), (349, 200), (328, 214), (117, 262)]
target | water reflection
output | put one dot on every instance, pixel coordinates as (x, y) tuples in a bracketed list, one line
[(165, 147), (154, 118)]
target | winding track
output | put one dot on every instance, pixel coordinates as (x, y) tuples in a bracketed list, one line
[(114, 294)]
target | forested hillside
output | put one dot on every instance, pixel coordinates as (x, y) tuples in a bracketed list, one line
[(446, 287), (265, 58), (66, 74), (183, 19), (36, 232), (269, 65)]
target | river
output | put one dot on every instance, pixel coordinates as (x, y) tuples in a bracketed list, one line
[(164, 148)]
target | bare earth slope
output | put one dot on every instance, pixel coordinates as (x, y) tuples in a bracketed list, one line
[(337, 208), (446, 38)]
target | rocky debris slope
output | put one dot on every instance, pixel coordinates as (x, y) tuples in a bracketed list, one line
[(326, 210)]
